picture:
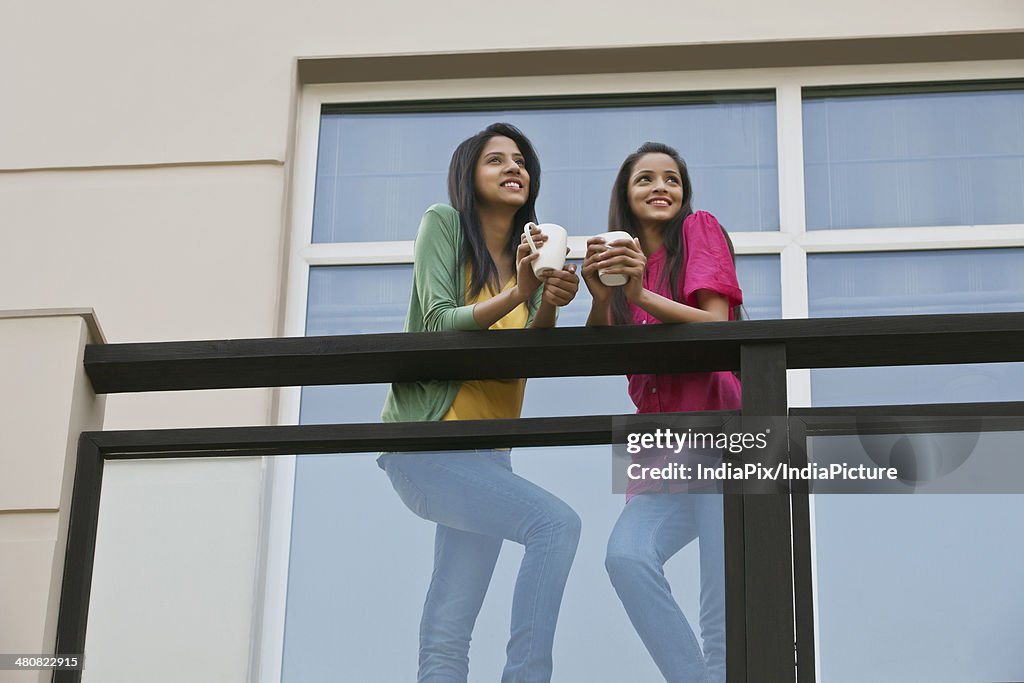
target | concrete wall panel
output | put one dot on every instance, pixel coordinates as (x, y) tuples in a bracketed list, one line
[(115, 82), (161, 254)]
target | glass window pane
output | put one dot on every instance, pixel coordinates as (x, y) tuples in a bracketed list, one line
[(901, 160), (761, 283), (917, 588), (360, 563), (377, 173), (905, 283), (352, 300), (357, 299)]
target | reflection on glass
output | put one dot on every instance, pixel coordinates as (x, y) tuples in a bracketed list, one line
[(908, 283), (357, 299), (971, 460), (761, 283), (919, 589), (377, 172), (900, 160)]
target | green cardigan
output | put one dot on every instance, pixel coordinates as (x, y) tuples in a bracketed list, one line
[(438, 303)]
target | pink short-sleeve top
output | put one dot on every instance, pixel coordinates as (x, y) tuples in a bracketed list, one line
[(707, 264)]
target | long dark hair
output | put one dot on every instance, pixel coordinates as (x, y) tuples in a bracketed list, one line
[(621, 217), (462, 195)]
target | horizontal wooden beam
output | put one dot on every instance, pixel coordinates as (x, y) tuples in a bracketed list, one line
[(942, 418), (567, 352), (355, 438), (525, 432)]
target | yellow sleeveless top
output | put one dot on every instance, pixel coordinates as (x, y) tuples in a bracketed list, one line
[(491, 398)]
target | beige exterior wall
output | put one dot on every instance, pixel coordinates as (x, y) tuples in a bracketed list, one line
[(118, 83), (40, 361), (161, 254)]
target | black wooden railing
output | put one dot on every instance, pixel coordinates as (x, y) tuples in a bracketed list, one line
[(768, 552)]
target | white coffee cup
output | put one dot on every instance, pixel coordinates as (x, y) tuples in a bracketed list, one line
[(552, 252), (613, 279)]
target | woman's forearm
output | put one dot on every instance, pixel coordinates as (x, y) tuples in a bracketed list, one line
[(545, 317), (599, 314), (668, 311), (486, 313)]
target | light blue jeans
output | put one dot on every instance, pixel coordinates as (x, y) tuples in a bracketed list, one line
[(477, 502), (652, 528)]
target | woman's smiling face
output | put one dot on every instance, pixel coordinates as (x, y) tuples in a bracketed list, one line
[(501, 178), (655, 189)]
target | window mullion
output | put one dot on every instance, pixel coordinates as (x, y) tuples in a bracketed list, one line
[(793, 258)]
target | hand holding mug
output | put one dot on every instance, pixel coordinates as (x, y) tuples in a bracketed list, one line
[(526, 282), (614, 238), (598, 280), (560, 286), (551, 250), (621, 261)]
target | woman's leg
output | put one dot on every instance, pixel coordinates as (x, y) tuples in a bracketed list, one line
[(652, 528), (477, 493), (710, 527), (463, 564)]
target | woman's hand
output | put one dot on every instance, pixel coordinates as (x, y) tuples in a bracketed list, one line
[(526, 282), (560, 286), (622, 257), (600, 292)]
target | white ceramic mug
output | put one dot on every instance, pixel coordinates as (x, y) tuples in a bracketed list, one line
[(552, 252), (613, 279)]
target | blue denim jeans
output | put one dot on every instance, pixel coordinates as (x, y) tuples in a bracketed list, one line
[(652, 528), (477, 502)]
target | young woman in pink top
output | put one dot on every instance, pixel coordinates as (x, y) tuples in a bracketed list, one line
[(680, 269)]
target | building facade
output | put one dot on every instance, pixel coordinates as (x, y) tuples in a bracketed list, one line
[(229, 171)]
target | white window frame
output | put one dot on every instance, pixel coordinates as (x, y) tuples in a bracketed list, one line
[(792, 243)]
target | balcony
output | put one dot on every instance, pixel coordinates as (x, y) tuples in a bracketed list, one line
[(769, 574)]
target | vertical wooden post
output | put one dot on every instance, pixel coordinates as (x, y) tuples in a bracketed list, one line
[(78, 561), (765, 601)]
